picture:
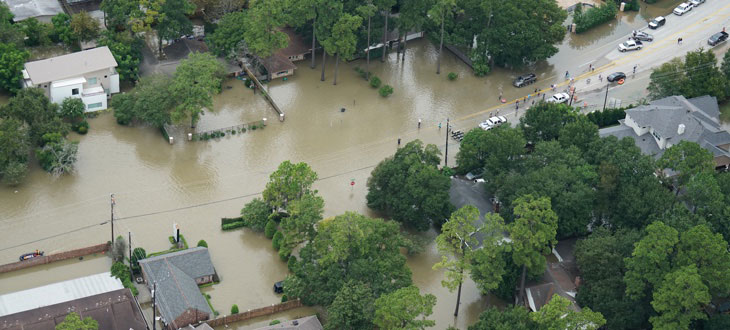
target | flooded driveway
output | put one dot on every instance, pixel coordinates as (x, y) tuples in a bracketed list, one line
[(194, 184)]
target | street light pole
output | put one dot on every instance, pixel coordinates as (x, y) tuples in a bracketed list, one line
[(606, 98), (446, 153), (112, 202)]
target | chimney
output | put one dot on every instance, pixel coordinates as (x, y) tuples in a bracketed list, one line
[(680, 129)]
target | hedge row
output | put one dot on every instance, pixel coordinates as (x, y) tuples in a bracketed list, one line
[(608, 117), (594, 16), (233, 225)]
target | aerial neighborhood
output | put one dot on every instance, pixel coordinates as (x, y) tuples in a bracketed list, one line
[(364, 164)]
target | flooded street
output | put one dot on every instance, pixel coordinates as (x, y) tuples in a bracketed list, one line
[(194, 184)]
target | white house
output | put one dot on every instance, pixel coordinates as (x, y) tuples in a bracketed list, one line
[(89, 75)]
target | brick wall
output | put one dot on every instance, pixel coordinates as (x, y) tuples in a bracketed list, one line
[(190, 316), (53, 258), (273, 309)]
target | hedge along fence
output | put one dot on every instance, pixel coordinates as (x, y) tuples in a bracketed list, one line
[(232, 223), (608, 117), (232, 130), (585, 20)]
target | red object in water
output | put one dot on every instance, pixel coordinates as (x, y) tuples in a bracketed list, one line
[(352, 183), (504, 101)]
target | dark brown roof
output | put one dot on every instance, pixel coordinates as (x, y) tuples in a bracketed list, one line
[(278, 63), (114, 310), (296, 44)]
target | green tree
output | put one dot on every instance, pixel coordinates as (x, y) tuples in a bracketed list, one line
[(708, 252), (349, 247), (544, 121), (14, 172), (262, 34), (353, 307), (343, 39), (256, 214), (412, 16), (698, 75), (409, 187), (72, 108), (497, 151), (37, 33), (117, 12), (227, 38), (270, 229), (649, 262), (328, 11), (126, 49), (488, 264), (14, 150), (512, 318), (150, 102), (62, 31), (196, 79), (679, 299), (367, 10), (73, 321), (688, 159), (58, 157), (12, 60), (288, 183), (137, 255), (173, 22), (667, 79), (386, 6), (581, 133), (704, 196), (557, 315), (32, 106), (10, 33), (299, 226), (441, 10), (533, 235), (400, 309), (84, 26)]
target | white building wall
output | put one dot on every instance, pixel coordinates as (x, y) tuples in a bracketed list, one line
[(114, 83), (637, 129), (95, 102), (58, 94)]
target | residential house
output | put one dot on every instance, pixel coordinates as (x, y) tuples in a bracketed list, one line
[(665, 122), (560, 278), (279, 66), (113, 310), (89, 75), (43, 10), (304, 323), (176, 277)]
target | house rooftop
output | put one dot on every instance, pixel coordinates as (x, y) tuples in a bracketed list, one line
[(23, 9), (277, 63), (57, 293), (305, 323), (70, 65), (113, 310)]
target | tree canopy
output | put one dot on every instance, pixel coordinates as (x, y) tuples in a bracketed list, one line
[(402, 308), (195, 81), (73, 321)]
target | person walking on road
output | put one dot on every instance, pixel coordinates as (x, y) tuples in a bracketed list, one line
[(419, 123), (634, 69), (567, 74), (679, 41), (398, 142)]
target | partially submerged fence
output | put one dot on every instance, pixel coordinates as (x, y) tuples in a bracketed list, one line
[(268, 310), (256, 81), (42, 260), (231, 130)]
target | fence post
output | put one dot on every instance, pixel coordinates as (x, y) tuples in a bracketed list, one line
[(264, 121)]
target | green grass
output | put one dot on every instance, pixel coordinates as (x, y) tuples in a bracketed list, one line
[(725, 112)]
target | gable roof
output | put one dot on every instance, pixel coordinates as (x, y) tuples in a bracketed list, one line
[(277, 63), (194, 262), (70, 65), (305, 323), (23, 9)]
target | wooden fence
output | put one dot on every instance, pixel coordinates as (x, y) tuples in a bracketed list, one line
[(256, 81), (268, 310), (42, 260)]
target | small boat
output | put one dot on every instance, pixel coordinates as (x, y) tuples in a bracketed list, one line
[(31, 255)]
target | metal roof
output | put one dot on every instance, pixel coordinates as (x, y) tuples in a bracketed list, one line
[(23, 9), (56, 293), (70, 65)]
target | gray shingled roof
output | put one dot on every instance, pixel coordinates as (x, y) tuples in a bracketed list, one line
[(70, 65), (175, 273), (305, 323), (646, 143), (23, 9)]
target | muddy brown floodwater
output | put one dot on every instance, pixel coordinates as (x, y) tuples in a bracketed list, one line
[(194, 184)]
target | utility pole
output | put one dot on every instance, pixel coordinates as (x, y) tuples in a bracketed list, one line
[(112, 202), (572, 95), (606, 98), (131, 276), (154, 307), (446, 153)]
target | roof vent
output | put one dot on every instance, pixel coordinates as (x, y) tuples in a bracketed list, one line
[(680, 129), (295, 322)]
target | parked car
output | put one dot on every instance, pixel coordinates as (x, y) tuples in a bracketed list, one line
[(642, 36), (279, 287), (682, 8), (616, 76), (486, 125), (696, 3), (559, 98), (717, 38), (476, 174), (525, 80), (630, 44), (657, 22)]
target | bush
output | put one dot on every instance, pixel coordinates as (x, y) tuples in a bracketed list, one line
[(274, 322), (253, 127), (233, 225), (81, 128), (202, 243), (270, 229), (385, 91), (234, 309), (584, 20), (276, 241), (284, 298), (284, 254), (256, 214), (452, 76), (375, 82)]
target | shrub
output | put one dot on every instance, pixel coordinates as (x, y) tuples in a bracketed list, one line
[(256, 214), (234, 309), (253, 127), (375, 82), (284, 254), (292, 263), (452, 76), (202, 243), (243, 130), (234, 225), (584, 20), (270, 229), (233, 132), (276, 241), (274, 322), (83, 128), (385, 91), (284, 298)]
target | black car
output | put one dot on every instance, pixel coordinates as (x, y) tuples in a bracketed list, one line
[(657, 22), (525, 80), (279, 287), (616, 76), (717, 38)]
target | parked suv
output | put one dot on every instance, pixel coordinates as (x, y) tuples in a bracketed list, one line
[(682, 8), (525, 80), (717, 38), (559, 98), (630, 44), (659, 21)]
